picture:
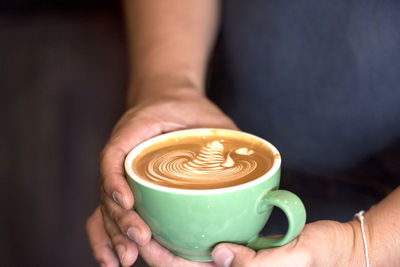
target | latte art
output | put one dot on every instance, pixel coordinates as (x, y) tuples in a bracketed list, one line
[(203, 162), (211, 163)]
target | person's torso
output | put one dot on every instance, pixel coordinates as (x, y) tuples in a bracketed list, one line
[(319, 79)]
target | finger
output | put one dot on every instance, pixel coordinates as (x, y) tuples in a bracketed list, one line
[(233, 255), (99, 241), (156, 255), (129, 222), (113, 156), (126, 250)]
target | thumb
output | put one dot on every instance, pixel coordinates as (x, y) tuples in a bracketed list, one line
[(232, 255)]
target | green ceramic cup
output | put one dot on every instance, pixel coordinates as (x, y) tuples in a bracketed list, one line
[(191, 222)]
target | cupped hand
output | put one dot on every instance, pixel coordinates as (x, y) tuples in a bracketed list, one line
[(322, 243), (124, 232), (153, 253)]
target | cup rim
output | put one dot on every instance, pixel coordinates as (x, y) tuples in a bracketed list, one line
[(130, 174)]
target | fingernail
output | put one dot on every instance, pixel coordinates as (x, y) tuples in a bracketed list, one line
[(117, 198), (134, 234), (120, 249), (223, 257)]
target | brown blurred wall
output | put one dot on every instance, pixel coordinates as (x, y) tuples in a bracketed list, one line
[(62, 84)]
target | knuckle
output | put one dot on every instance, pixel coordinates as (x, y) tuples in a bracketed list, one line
[(103, 210), (113, 233), (117, 221), (122, 220), (125, 221), (114, 214), (97, 253), (103, 153), (306, 256), (103, 195), (248, 264), (89, 222)]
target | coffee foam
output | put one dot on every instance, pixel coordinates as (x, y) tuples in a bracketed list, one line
[(203, 162)]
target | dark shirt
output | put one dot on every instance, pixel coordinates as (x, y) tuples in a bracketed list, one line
[(319, 79)]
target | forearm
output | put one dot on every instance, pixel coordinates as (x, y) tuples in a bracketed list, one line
[(383, 228), (169, 44)]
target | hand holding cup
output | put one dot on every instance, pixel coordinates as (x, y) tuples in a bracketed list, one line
[(115, 231)]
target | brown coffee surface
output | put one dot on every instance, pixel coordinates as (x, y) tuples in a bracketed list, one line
[(206, 161)]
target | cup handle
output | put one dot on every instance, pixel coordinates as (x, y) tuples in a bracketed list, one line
[(295, 212)]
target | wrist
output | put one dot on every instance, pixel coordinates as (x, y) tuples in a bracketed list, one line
[(335, 244), (356, 246), (167, 85)]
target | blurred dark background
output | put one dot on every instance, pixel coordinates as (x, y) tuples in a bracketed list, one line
[(63, 76)]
